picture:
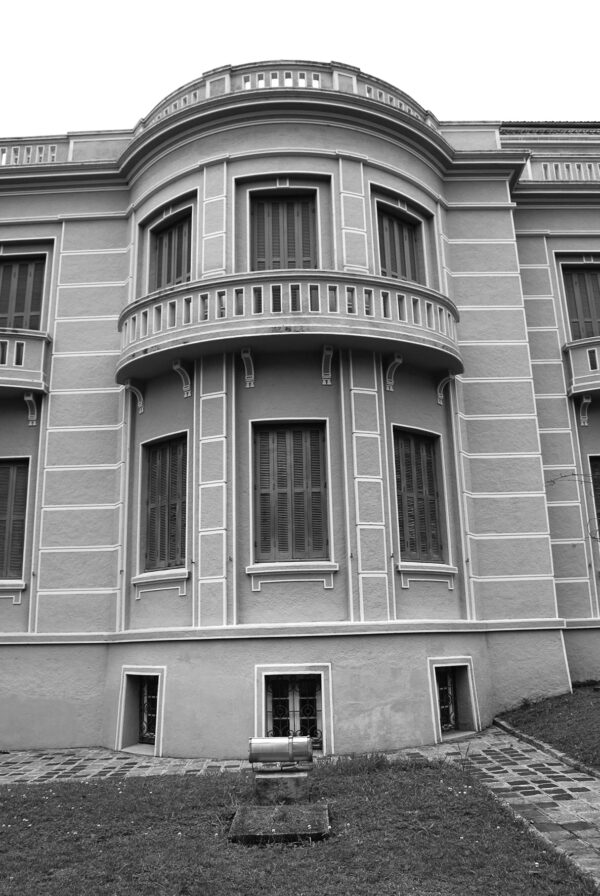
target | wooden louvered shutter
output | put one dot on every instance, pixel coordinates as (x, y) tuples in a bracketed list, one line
[(176, 526), (172, 253), (166, 504), (582, 288), (417, 497), (290, 487), (283, 233), (400, 249), (13, 506), (21, 291), (595, 469)]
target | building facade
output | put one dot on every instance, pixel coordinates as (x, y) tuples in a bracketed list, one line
[(298, 419)]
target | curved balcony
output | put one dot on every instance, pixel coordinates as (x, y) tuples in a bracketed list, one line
[(583, 358), (23, 360), (288, 311)]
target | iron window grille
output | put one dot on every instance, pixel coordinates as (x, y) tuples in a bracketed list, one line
[(166, 504), (418, 496), (290, 493), (13, 505), (21, 292), (148, 707), (294, 707)]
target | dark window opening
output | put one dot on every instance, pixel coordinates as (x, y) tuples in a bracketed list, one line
[(172, 253), (13, 506), (582, 289), (454, 699), (400, 247), (446, 688), (166, 504), (418, 497), (21, 292), (294, 707), (290, 493), (148, 706), (595, 470), (283, 232)]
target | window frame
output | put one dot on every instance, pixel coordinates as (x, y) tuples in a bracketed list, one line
[(282, 196), (162, 542), (8, 570), (270, 184), (292, 555), (263, 670), (31, 254), (399, 210), (574, 303), (153, 227), (436, 551)]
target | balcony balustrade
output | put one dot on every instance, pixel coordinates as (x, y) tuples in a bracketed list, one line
[(583, 358), (288, 310), (24, 360)]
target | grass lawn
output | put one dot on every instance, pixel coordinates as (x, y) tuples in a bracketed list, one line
[(401, 828), (570, 723)]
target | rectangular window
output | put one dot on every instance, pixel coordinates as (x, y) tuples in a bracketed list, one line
[(21, 291), (166, 472), (172, 253), (13, 505), (294, 707), (417, 496), (400, 246), (582, 289), (283, 232), (290, 491)]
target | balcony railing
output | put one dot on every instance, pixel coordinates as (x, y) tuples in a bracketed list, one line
[(288, 310), (23, 360), (584, 365), (282, 75)]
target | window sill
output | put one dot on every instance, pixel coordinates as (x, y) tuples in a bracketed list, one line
[(12, 585), (427, 572), (293, 571), (161, 575), (12, 589)]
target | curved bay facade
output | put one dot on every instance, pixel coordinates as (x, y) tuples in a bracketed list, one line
[(298, 428)]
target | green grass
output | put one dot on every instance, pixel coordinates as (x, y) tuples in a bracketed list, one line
[(397, 829), (570, 723)]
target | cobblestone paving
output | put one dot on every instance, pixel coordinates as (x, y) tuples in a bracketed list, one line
[(539, 785)]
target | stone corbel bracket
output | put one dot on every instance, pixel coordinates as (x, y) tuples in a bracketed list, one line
[(139, 395), (32, 411), (391, 372), (248, 368), (326, 360), (584, 407), (185, 378), (441, 386)]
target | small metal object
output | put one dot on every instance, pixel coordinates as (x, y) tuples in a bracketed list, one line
[(280, 749)]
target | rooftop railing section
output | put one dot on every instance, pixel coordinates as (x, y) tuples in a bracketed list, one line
[(32, 152), (305, 76), (566, 170)]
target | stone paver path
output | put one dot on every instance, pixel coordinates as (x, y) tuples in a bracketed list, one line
[(539, 785)]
